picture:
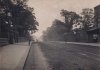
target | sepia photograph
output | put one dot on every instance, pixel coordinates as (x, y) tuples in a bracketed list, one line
[(49, 34)]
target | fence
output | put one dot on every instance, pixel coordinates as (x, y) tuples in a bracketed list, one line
[(3, 41)]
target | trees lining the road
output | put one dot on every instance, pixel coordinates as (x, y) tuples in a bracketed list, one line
[(17, 19), (88, 18), (69, 18), (55, 32), (75, 26)]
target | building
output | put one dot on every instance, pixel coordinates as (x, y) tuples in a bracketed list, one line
[(94, 33)]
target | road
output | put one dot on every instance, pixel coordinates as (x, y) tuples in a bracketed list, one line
[(62, 56)]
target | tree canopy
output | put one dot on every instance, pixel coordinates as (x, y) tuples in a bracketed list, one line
[(18, 15), (74, 25), (55, 32), (70, 17), (88, 18)]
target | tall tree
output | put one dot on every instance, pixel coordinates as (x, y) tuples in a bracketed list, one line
[(69, 17), (18, 16), (55, 32), (88, 18)]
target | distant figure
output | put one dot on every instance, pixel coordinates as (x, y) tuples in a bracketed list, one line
[(34, 38), (30, 39), (95, 38)]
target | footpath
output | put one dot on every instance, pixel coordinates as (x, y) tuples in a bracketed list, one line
[(91, 44), (12, 57), (79, 43)]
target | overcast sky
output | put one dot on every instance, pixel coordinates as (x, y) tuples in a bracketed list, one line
[(47, 10)]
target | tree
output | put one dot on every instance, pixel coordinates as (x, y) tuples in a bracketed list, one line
[(17, 17), (70, 17), (55, 32), (88, 18)]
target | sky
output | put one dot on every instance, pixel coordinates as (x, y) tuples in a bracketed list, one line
[(46, 11)]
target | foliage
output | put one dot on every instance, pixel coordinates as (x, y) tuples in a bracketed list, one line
[(16, 15), (88, 18), (70, 17), (73, 27), (55, 32)]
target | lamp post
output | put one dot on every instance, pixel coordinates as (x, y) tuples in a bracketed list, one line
[(10, 26)]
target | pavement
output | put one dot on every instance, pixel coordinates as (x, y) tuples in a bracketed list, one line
[(36, 59), (79, 43), (90, 44), (12, 57)]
